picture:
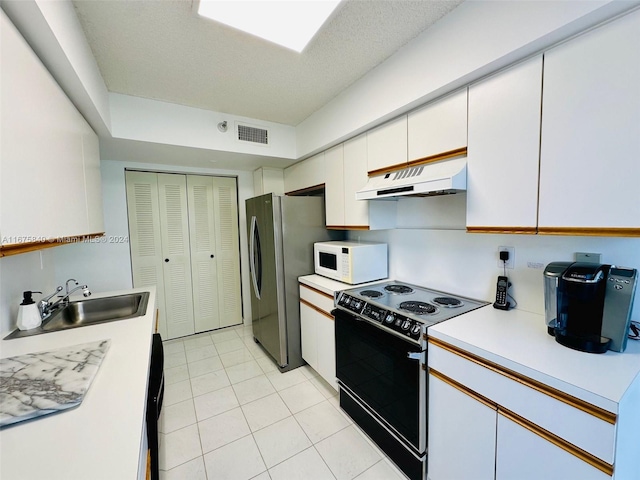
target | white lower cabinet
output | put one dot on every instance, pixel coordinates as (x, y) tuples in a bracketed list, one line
[(488, 422), (318, 333), (461, 432), (523, 455)]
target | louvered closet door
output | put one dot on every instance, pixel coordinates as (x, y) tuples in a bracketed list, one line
[(204, 258), (228, 247), (174, 226), (144, 235)]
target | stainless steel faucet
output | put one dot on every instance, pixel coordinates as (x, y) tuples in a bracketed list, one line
[(67, 284), (46, 307)]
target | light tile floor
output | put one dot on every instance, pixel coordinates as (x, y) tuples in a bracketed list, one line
[(228, 413)]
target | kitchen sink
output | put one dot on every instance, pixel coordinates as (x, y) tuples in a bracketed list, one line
[(83, 313)]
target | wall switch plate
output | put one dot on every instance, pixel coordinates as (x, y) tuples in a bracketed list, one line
[(512, 257), (588, 257)]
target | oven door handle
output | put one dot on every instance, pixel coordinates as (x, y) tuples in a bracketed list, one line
[(415, 355)]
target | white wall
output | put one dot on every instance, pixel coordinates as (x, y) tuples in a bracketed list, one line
[(467, 264), (106, 265), (141, 119), (28, 271)]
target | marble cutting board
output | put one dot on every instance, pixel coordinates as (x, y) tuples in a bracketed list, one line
[(42, 383)]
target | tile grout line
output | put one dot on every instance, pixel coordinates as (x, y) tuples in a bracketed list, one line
[(291, 414)]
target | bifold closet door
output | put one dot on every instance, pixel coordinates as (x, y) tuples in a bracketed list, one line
[(184, 240), (144, 237), (204, 258), (174, 231), (225, 197), (215, 250)]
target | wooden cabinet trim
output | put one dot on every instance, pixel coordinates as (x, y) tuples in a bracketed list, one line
[(319, 292), (392, 168), (567, 231), (17, 248), (458, 152), (317, 309), (307, 191), (590, 231), (558, 441), (570, 400), (510, 230), (348, 227), (466, 390)]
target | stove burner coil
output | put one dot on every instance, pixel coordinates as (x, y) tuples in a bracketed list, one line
[(418, 308), (398, 289), (371, 293), (448, 302)]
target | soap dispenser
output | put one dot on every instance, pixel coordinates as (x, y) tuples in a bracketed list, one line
[(28, 313)]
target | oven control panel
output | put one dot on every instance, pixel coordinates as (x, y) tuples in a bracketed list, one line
[(351, 303), (402, 324), (391, 320)]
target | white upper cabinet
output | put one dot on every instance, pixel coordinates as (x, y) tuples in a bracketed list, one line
[(438, 130), (92, 181), (49, 155), (387, 146), (268, 180), (589, 173), (308, 174), (503, 150), (346, 167), (334, 187), (356, 213)]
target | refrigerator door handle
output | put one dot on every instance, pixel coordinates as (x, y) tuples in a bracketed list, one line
[(253, 237)]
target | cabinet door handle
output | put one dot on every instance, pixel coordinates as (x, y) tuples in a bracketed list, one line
[(212, 255), (166, 260)]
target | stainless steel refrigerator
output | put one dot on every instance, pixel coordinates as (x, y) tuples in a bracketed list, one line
[(282, 231)]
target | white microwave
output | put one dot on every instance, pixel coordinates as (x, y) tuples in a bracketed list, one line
[(351, 262)]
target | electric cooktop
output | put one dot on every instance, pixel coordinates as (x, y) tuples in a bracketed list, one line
[(403, 307)]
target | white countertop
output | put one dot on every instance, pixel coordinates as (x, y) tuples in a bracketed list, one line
[(519, 341), (330, 286), (101, 438)]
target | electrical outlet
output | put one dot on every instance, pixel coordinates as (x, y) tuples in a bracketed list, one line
[(588, 257), (512, 257)]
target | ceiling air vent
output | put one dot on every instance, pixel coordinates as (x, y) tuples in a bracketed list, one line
[(253, 134)]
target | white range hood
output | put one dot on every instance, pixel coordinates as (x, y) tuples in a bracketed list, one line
[(440, 178)]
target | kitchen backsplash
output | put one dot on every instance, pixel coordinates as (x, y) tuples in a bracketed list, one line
[(467, 264), (28, 271)]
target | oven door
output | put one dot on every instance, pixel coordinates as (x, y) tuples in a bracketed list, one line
[(375, 366)]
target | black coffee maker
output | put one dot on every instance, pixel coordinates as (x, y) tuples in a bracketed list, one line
[(594, 304)]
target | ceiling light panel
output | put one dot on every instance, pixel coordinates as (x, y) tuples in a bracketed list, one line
[(290, 23)]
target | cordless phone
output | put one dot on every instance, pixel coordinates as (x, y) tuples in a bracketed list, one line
[(501, 294)]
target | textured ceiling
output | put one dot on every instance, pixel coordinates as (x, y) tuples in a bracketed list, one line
[(160, 49)]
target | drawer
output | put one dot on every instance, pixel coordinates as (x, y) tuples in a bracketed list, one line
[(581, 424), (316, 299)]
